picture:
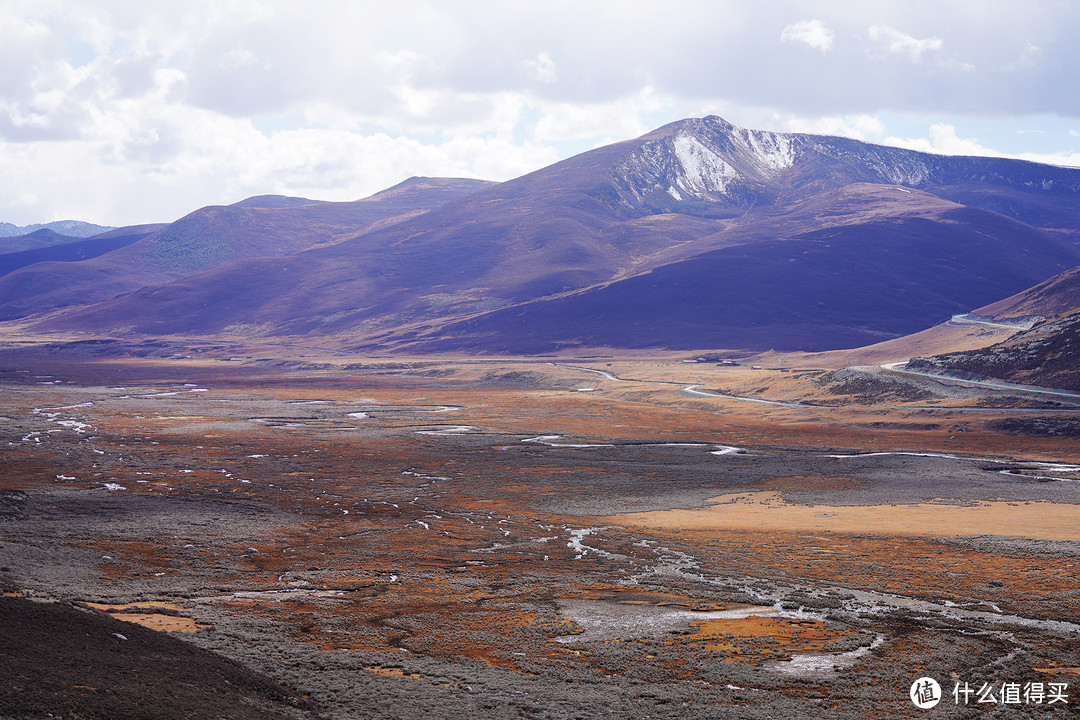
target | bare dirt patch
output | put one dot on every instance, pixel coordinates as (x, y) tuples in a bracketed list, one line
[(769, 511)]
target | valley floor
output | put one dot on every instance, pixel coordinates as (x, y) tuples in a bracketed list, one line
[(433, 537)]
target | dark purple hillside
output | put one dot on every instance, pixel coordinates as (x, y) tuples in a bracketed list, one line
[(213, 236), (74, 250), (35, 240), (697, 234), (1056, 296), (825, 289)]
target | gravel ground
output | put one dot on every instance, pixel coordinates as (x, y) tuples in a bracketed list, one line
[(362, 567)]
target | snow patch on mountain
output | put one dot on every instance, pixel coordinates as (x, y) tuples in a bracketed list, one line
[(703, 170), (771, 152), (908, 171), (709, 166), (703, 160)]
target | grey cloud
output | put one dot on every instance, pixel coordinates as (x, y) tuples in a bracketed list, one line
[(268, 68), (135, 76), (39, 117), (261, 71), (25, 47), (976, 56), (24, 124)]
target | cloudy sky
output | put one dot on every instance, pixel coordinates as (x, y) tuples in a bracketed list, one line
[(121, 112)]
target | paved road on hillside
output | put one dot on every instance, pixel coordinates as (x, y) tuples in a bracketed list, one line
[(895, 367), (965, 319), (699, 391)]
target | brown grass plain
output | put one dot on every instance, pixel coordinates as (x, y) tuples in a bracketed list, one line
[(528, 537)]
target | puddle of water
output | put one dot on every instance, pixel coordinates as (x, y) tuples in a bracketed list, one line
[(575, 543), (547, 440), (867, 603), (451, 430), (821, 665), (276, 595), (603, 620), (278, 422)]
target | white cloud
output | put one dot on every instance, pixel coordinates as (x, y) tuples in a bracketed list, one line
[(1030, 56), (809, 32), (24, 44), (620, 118), (26, 200), (238, 58), (944, 140), (194, 157), (903, 44), (860, 127), (542, 68), (159, 107)]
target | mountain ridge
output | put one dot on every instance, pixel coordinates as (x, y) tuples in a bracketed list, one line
[(1055, 296), (679, 201), (69, 228), (208, 237)]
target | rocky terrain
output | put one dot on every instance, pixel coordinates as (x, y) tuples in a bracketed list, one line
[(279, 532), (1047, 355)]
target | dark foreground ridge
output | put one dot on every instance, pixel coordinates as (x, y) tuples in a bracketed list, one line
[(63, 661)]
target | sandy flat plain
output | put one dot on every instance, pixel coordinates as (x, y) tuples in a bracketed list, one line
[(769, 511)]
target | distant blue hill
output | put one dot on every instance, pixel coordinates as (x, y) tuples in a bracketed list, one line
[(72, 249), (69, 228)]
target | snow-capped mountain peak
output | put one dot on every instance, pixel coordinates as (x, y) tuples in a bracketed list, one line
[(703, 160), (701, 170)]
